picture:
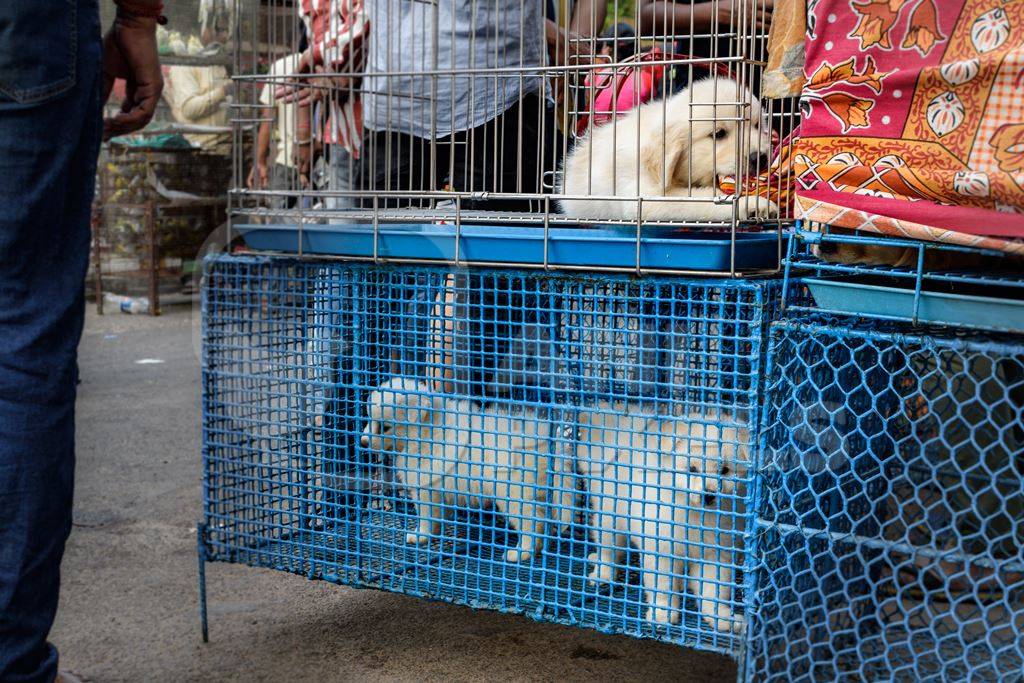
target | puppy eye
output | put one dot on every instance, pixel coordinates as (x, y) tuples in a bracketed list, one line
[(725, 470), (693, 469), (385, 428), (720, 133)]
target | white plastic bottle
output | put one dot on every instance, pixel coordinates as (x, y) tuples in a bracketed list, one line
[(127, 304)]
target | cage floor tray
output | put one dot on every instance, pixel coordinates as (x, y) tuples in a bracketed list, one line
[(660, 248), (997, 308)]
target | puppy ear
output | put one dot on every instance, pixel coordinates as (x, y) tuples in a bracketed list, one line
[(679, 159), (672, 153)]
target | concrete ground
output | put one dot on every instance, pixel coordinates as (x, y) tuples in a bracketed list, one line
[(128, 606)]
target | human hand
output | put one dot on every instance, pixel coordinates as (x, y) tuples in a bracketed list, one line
[(302, 155), (294, 92), (313, 89), (130, 53), (259, 177), (757, 11), (566, 48)]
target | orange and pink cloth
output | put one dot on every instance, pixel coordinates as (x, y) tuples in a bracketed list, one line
[(912, 116)]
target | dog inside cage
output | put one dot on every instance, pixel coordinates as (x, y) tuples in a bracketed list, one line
[(589, 113), (651, 481), (628, 472), (655, 481), (607, 479), (449, 453)]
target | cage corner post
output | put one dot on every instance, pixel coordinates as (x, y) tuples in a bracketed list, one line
[(743, 663), (204, 624)]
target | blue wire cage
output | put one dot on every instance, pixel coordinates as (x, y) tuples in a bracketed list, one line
[(865, 274), (890, 542), (577, 448)]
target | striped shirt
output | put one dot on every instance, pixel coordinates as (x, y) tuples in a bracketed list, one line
[(337, 31)]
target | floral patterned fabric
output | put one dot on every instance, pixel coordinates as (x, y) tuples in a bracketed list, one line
[(913, 119), (784, 70)]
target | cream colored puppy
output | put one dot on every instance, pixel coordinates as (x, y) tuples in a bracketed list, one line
[(671, 148), (449, 454), (654, 480)]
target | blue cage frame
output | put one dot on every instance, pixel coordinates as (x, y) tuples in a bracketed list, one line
[(293, 350), (847, 272), (873, 530)]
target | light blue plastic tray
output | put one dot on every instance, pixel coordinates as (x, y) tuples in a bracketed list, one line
[(947, 308), (660, 247)]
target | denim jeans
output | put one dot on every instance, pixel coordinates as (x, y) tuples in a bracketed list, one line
[(339, 177), (50, 128)]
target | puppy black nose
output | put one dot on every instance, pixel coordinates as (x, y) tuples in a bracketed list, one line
[(709, 499), (758, 162)]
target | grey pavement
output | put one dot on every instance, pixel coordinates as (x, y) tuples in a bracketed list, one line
[(128, 607)]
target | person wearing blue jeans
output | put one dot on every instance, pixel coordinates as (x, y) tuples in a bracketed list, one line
[(55, 71)]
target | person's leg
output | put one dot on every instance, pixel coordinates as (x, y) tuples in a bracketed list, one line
[(413, 309), (283, 178), (393, 162), (508, 154), (339, 177), (48, 151)]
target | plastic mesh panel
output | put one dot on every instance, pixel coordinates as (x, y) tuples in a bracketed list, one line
[(576, 448)]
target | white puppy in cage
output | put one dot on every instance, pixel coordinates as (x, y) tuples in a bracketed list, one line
[(677, 148), (451, 455), (669, 486)]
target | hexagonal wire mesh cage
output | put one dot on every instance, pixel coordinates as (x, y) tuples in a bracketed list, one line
[(575, 448), (889, 529), (519, 113)]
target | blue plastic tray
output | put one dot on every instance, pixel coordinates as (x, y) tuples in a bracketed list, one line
[(667, 248), (948, 308)]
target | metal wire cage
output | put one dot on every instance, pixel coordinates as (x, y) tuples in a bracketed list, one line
[(518, 112), (889, 529), (575, 448), (146, 229)]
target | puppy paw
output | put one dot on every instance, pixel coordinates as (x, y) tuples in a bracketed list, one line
[(724, 621), (415, 538), (517, 555), (661, 615)]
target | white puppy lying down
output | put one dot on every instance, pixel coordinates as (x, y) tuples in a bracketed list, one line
[(654, 480), (684, 142), (447, 453)]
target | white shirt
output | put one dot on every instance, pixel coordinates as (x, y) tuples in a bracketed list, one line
[(196, 95), (285, 125)]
